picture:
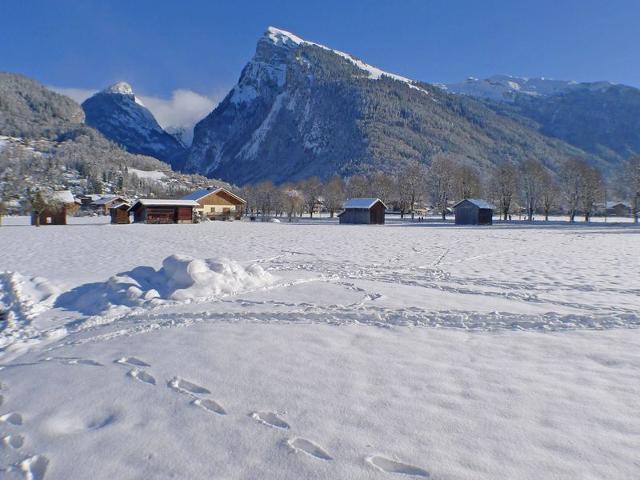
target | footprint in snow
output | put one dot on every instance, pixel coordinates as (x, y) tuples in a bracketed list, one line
[(270, 419), (391, 466), (132, 361), (13, 441), (84, 361), (34, 468), (12, 418), (184, 386), (307, 447), (209, 405), (141, 376)]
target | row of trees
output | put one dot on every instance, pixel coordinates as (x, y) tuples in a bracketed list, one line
[(529, 187)]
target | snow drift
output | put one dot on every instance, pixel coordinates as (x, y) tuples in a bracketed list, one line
[(181, 278)]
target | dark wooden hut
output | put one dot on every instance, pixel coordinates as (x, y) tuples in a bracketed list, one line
[(363, 211), (148, 210), (473, 211), (120, 213)]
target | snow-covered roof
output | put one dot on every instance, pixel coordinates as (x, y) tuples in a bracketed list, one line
[(63, 196), (362, 202), (121, 204), (156, 202), (614, 204), (106, 199), (199, 194), (477, 202)]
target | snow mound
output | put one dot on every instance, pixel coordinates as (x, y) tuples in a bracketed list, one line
[(21, 300), (181, 279)]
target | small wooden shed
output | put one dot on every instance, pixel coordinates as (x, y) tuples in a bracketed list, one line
[(363, 211), (60, 204), (104, 203), (120, 213), (473, 211), (149, 210), (217, 203)]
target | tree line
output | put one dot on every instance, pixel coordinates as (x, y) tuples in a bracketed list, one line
[(528, 189)]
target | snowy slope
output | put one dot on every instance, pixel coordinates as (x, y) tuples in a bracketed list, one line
[(458, 353)]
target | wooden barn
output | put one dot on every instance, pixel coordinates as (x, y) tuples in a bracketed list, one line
[(120, 213), (59, 205), (217, 203), (619, 209), (473, 211), (363, 211), (104, 203), (150, 210)]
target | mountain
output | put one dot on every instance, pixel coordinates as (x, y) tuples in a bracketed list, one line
[(45, 144), (301, 109), (28, 109), (601, 118), (121, 117), (505, 87)]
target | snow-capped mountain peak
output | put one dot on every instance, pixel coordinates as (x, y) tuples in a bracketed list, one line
[(282, 38), (121, 88)]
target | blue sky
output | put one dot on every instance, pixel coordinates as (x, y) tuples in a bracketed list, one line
[(160, 47)]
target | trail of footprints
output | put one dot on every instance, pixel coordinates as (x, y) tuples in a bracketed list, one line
[(35, 466), (198, 395), (32, 467)]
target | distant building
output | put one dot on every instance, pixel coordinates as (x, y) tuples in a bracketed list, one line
[(473, 211), (363, 211), (149, 210), (619, 209), (104, 203), (217, 203), (59, 205), (120, 213)]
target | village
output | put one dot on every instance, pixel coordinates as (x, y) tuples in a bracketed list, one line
[(218, 203)]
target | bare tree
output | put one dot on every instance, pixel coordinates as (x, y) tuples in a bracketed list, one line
[(549, 193), (411, 185), (504, 186), (440, 182), (3, 210), (334, 193), (571, 185), (358, 186), (632, 184), (293, 201), (264, 197), (590, 187), (383, 186), (531, 175), (466, 182), (311, 189)]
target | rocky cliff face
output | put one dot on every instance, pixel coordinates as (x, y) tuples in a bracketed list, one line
[(121, 117), (302, 109)]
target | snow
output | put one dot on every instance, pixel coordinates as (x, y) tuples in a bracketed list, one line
[(63, 196), (148, 174), (120, 88), (319, 350), (154, 202), (361, 202), (477, 202), (287, 39)]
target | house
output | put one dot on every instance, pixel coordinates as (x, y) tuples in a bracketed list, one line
[(618, 209), (104, 203), (59, 205), (149, 210), (120, 213), (363, 211), (217, 203), (473, 211)]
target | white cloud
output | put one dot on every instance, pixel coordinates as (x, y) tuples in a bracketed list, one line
[(179, 112)]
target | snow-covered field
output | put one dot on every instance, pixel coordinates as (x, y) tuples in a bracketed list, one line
[(240, 350)]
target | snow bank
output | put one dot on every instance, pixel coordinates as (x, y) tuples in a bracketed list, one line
[(181, 279), (21, 300)]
